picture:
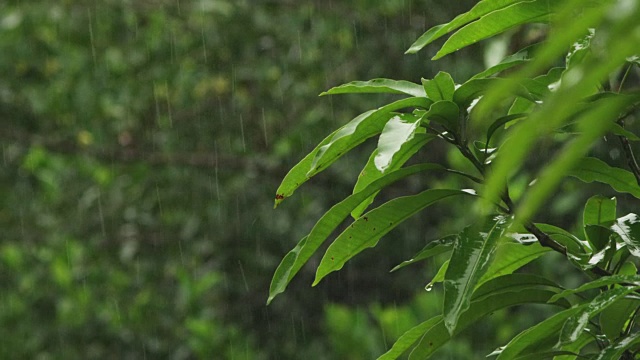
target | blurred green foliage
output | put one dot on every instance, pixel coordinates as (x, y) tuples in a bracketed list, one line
[(141, 144)]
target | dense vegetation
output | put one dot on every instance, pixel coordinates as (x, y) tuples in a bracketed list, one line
[(568, 93)]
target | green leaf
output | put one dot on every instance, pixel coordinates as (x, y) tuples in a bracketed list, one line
[(521, 57), (592, 169), (469, 262), (396, 132), (598, 283), (500, 122), (439, 277), (446, 113), (438, 334), (599, 210), (371, 173), (475, 88), (614, 318), (409, 338), (340, 142), (576, 324), (513, 283), (433, 248), (378, 86), (367, 230), (497, 22), (536, 334), (592, 125), (628, 227), (510, 257), (440, 88), (296, 258), (620, 131), (358, 130), (480, 9), (598, 236), (615, 351)]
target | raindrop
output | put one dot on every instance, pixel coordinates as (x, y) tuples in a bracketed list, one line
[(104, 232), (244, 279), (93, 47), (429, 287), (264, 128), (244, 146)]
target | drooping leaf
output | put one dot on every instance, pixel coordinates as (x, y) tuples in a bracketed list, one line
[(628, 227), (440, 88), (409, 338), (367, 230), (470, 260), (615, 351), (598, 283), (438, 334), (510, 256), (480, 9), (439, 276), (296, 258), (497, 22), (370, 172), (358, 130), (340, 142), (592, 169), (529, 338), (396, 132), (576, 324), (378, 86), (433, 248)]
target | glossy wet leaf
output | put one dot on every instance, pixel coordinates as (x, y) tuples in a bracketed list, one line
[(510, 256), (497, 22), (535, 335), (615, 351), (513, 283), (367, 230), (397, 131), (433, 248), (358, 130), (598, 283), (341, 141), (388, 86), (628, 227), (409, 338), (574, 245), (441, 87), (439, 276), (591, 169), (576, 324), (370, 172), (620, 131), (470, 260), (438, 335), (296, 258), (475, 88), (598, 236), (480, 9)]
